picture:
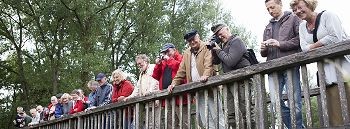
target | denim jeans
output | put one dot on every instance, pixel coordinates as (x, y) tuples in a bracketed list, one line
[(283, 86)]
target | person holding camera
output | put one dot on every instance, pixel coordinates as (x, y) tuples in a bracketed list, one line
[(167, 65), (230, 53), (281, 38), (197, 66)]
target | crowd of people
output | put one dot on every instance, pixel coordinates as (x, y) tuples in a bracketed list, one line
[(286, 33)]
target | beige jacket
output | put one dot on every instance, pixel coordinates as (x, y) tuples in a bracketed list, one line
[(204, 65)]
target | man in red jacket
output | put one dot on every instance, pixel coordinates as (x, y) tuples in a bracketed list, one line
[(165, 70)]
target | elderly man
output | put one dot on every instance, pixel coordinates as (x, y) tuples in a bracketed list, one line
[(103, 92), (230, 53), (165, 70), (197, 66), (146, 84)]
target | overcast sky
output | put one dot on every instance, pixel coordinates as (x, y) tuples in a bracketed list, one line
[(252, 14)]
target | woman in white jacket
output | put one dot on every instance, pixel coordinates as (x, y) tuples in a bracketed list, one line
[(329, 31)]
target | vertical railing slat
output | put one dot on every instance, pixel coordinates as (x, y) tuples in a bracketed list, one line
[(206, 109), (120, 119), (342, 94), (147, 115), (260, 102), (321, 73), (216, 108), (306, 91), (197, 111), (180, 112), (137, 116), (238, 118), (153, 115), (291, 98), (124, 118), (166, 114), (189, 97), (173, 112), (248, 103), (224, 91)]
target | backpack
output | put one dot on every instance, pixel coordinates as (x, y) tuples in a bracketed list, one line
[(250, 56)]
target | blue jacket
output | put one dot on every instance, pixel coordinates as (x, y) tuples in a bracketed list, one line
[(58, 110), (103, 95)]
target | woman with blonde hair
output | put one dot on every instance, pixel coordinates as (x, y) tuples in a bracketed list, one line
[(122, 88), (317, 30)]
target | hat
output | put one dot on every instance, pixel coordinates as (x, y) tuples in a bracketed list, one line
[(190, 35), (167, 46), (100, 76), (217, 27), (59, 95)]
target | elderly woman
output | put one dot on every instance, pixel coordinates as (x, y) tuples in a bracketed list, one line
[(52, 107), (329, 31), (122, 88), (92, 85), (66, 103)]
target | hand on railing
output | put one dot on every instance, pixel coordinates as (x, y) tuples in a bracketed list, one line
[(170, 88), (204, 78), (89, 108)]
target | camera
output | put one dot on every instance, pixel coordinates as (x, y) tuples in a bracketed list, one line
[(160, 57), (213, 41)]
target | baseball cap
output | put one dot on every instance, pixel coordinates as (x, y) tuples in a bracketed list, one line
[(167, 46), (217, 28), (100, 76)]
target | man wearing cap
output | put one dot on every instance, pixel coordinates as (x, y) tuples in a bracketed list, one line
[(281, 38), (230, 54), (103, 92), (167, 65), (197, 66), (165, 70)]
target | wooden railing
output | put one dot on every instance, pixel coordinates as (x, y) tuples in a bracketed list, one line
[(248, 82)]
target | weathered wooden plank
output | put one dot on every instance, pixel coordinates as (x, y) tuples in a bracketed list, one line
[(189, 98), (197, 111), (173, 112), (342, 93), (99, 122), (238, 118), (216, 108), (147, 115), (138, 121), (95, 121), (180, 112), (291, 98), (115, 120), (153, 121), (277, 104), (322, 83), (306, 94), (225, 92), (166, 113), (248, 98), (261, 109), (120, 118), (319, 110), (206, 109)]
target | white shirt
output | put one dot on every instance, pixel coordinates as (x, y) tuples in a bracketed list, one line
[(194, 72), (329, 31)]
